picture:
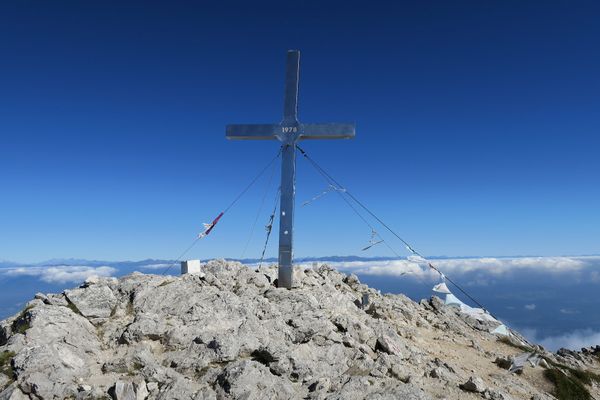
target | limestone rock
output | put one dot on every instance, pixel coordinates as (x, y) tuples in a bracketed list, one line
[(491, 394), (474, 384), (123, 391), (12, 392), (141, 389), (389, 344), (503, 362), (95, 301), (231, 334), (252, 380)]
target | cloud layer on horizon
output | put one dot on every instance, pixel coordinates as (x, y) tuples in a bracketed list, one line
[(581, 267), (61, 273), (574, 340), (158, 266), (492, 266)]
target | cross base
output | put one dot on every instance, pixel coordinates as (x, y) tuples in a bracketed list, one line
[(285, 276)]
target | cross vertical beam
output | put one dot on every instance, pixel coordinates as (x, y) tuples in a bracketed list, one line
[(286, 215), (292, 76), (288, 171), (289, 132)]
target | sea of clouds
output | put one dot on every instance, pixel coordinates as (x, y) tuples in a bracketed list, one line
[(59, 274), (578, 268), (585, 267)]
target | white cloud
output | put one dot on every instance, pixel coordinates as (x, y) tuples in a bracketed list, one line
[(156, 266), (569, 311), (501, 266), (60, 274), (452, 266), (530, 307), (384, 267), (479, 281), (574, 340)]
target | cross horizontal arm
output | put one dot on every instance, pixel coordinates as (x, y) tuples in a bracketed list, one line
[(252, 131), (327, 131)]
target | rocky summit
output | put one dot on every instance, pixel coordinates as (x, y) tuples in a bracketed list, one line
[(229, 333)]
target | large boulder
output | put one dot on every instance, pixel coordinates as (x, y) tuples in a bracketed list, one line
[(95, 301), (57, 349)]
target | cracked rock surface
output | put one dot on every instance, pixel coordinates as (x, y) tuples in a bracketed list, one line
[(231, 334)]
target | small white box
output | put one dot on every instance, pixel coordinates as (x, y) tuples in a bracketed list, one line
[(190, 267)]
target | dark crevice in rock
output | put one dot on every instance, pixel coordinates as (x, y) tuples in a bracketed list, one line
[(155, 337), (22, 323), (3, 336), (130, 310), (379, 347), (122, 339), (223, 382), (302, 341), (6, 366), (198, 340), (263, 356), (73, 307), (341, 328)]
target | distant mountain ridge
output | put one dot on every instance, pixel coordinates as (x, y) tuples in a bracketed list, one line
[(333, 258)]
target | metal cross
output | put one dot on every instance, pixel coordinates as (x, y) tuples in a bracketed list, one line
[(288, 132)]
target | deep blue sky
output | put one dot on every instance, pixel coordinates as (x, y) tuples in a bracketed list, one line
[(477, 124)]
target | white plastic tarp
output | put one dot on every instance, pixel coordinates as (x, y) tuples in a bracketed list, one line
[(452, 300), (501, 330), (441, 288), (518, 361), (478, 313)]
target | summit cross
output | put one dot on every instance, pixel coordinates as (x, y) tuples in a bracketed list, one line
[(289, 132)]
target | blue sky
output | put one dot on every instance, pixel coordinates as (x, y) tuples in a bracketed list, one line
[(477, 125)]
